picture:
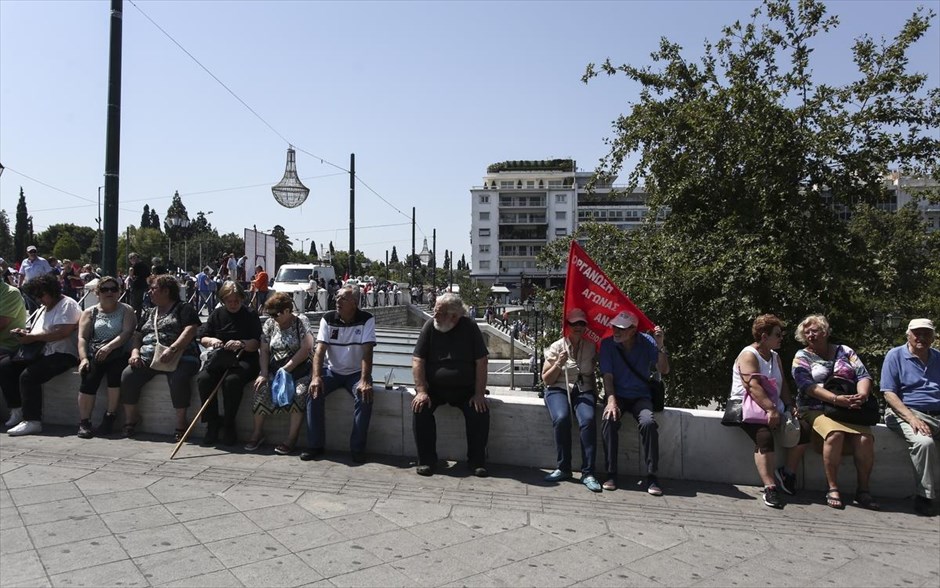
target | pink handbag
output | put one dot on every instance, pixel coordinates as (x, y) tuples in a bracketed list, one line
[(751, 411)]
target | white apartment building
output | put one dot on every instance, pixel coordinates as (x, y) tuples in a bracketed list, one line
[(522, 205)]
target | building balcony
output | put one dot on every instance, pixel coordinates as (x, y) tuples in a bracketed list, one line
[(511, 233)]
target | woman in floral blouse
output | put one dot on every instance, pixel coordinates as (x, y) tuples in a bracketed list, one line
[(812, 367)]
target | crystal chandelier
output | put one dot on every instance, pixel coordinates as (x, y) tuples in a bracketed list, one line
[(290, 192)]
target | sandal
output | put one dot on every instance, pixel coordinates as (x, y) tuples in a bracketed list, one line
[(833, 499), (864, 499), (178, 435)]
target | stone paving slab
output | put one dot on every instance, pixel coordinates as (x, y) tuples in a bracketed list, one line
[(100, 513)]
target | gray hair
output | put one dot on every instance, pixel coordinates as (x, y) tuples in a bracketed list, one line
[(352, 290), (452, 303), (814, 319)]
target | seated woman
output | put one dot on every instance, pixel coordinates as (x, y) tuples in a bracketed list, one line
[(812, 367), (231, 329), (21, 381), (173, 325), (286, 342), (104, 332), (758, 372), (569, 376)]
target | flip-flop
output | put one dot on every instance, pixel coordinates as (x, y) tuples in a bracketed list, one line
[(833, 500)]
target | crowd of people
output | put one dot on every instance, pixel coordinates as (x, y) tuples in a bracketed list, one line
[(292, 368)]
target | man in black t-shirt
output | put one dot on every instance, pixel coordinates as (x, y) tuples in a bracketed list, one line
[(449, 365), (139, 273)]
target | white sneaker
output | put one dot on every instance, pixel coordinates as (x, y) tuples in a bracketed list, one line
[(26, 428), (16, 417)]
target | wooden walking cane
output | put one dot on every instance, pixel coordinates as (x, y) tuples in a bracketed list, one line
[(192, 425)]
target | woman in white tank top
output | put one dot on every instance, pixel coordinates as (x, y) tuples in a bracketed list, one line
[(758, 372)]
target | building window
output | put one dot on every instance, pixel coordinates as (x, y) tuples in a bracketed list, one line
[(484, 248), (484, 198), (561, 198), (484, 216), (484, 264), (530, 183), (561, 232), (561, 215), (484, 232), (505, 184), (555, 184)]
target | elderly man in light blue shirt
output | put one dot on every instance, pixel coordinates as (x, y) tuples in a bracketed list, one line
[(33, 266), (910, 382)]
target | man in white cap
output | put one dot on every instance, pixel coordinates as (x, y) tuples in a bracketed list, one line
[(910, 382), (626, 361), (33, 266)]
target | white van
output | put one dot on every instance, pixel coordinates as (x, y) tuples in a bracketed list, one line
[(292, 277)]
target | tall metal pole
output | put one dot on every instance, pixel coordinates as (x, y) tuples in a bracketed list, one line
[(352, 214), (386, 265), (434, 258), (112, 158), (412, 246)]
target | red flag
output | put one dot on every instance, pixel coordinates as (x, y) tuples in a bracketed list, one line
[(587, 287), (345, 277)]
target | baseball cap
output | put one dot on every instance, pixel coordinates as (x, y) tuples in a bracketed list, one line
[(30, 248), (575, 315), (921, 323), (624, 320)]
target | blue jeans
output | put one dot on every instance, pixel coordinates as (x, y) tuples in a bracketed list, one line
[(316, 412), (559, 408), (642, 411)]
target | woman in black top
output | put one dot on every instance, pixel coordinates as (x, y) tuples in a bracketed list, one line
[(231, 329)]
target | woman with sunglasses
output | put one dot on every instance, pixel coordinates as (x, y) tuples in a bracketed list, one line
[(173, 324), (286, 342), (103, 333), (758, 372), (569, 374)]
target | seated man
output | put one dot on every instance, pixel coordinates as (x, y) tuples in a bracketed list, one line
[(345, 340), (12, 316), (626, 359), (449, 366), (910, 381)]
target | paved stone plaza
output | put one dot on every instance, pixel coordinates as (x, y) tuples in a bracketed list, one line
[(120, 513)]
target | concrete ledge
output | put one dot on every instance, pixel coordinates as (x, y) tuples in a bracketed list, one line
[(693, 443)]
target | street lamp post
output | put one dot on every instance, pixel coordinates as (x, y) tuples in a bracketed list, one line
[(175, 223)]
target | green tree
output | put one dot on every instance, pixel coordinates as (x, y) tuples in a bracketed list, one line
[(283, 248), (393, 259), (85, 237), (155, 220), (201, 224), (66, 247), (756, 163), (145, 217), (23, 232), (6, 237)]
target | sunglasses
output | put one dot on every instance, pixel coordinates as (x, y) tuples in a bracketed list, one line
[(108, 289), (577, 323)]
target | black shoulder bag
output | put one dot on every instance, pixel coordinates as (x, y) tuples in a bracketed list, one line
[(657, 388)]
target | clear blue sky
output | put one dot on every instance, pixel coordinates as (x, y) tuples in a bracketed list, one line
[(426, 94)]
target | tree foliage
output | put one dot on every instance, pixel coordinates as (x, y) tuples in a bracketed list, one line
[(751, 166), (23, 231), (6, 237)]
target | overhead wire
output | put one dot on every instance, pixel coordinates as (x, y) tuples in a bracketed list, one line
[(259, 117)]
